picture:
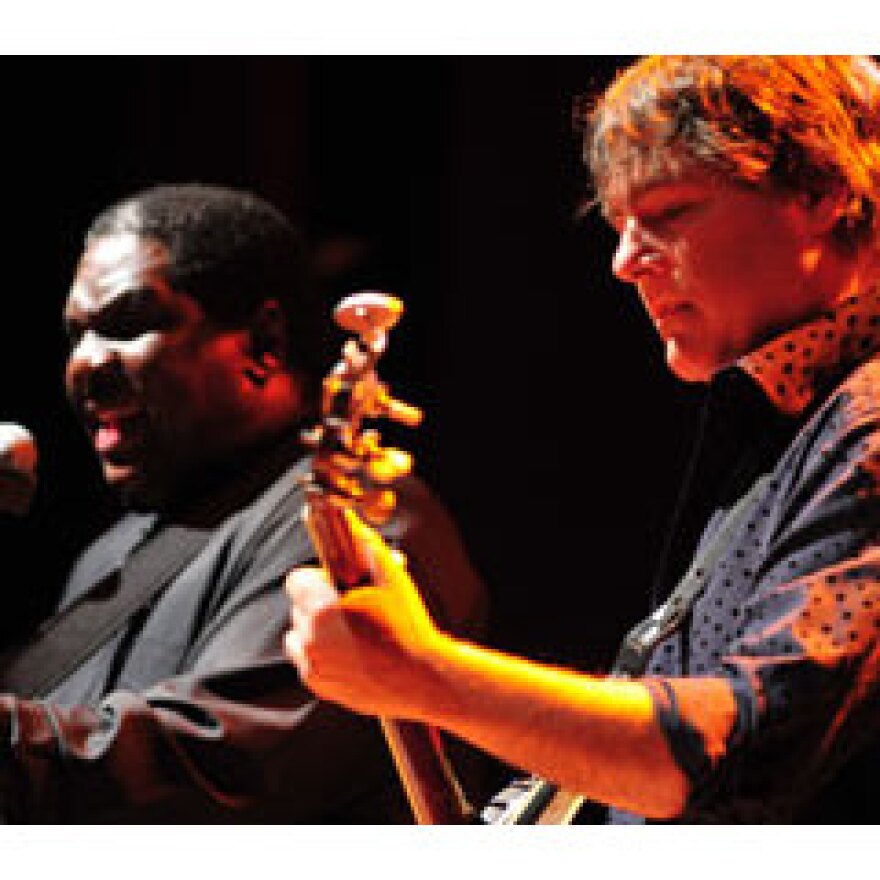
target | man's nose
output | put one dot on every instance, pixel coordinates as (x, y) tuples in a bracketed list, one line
[(92, 360), (637, 253)]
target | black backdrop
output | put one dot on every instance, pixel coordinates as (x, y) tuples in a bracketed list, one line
[(554, 432)]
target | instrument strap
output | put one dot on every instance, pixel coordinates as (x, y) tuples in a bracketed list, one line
[(534, 801), (64, 642), (642, 639)]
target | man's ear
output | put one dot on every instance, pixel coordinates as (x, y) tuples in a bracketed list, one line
[(267, 342)]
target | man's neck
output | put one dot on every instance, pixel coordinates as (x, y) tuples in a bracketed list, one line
[(210, 496)]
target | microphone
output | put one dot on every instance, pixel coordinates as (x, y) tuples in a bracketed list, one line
[(18, 468)]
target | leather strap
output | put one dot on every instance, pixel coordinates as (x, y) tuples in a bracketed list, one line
[(64, 642), (530, 801), (632, 659)]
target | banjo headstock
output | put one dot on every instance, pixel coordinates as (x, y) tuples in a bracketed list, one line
[(350, 465)]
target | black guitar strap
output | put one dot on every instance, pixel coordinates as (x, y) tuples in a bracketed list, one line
[(632, 659), (64, 642), (528, 801)]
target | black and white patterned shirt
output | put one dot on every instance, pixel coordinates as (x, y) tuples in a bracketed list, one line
[(790, 616)]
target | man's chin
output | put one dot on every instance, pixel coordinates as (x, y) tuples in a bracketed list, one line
[(131, 484), (685, 365)]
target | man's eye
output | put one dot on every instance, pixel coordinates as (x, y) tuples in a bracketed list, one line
[(124, 327), (669, 213), (129, 323)]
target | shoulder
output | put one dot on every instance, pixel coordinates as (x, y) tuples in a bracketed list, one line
[(269, 531), (846, 426), (859, 394), (829, 478)]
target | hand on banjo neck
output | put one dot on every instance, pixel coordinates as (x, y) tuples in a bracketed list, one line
[(351, 476)]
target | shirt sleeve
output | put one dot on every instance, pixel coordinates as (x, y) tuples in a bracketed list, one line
[(242, 742), (804, 666), (235, 739)]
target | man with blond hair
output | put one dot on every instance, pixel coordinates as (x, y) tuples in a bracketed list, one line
[(744, 192)]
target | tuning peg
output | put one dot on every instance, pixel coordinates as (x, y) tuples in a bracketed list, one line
[(388, 465), (399, 411), (376, 505)]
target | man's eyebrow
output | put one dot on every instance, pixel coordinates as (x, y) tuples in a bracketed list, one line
[(137, 296), (614, 209), (661, 196)]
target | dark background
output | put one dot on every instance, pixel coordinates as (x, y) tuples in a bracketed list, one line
[(554, 432)]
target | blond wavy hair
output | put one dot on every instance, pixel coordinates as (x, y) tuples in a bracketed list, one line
[(802, 123)]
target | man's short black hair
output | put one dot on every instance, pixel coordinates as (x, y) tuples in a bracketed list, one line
[(231, 251)]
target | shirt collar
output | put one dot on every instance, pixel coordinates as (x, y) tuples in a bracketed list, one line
[(793, 368)]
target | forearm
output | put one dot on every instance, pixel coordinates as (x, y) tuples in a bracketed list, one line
[(376, 650), (597, 736)]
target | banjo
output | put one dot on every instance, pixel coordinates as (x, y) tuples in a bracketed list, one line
[(352, 470)]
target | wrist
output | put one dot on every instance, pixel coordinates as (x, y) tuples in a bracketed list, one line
[(443, 690), (431, 695)]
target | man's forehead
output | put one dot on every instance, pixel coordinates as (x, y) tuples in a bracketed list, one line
[(123, 250), (112, 264), (633, 191)]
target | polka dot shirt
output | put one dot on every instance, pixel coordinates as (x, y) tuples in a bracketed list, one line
[(794, 367), (790, 615)]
